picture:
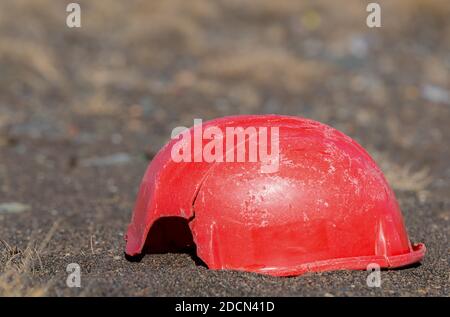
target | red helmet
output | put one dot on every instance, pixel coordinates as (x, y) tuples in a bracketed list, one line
[(327, 206)]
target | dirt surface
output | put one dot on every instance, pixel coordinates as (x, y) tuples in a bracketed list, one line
[(82, 111)]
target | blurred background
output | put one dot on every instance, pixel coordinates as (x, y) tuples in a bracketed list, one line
[(83, 110)]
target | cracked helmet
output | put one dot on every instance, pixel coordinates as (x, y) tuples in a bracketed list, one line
[(326, 205)]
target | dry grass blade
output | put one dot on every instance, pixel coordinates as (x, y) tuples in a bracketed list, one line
[(18, 266), (404, 177)]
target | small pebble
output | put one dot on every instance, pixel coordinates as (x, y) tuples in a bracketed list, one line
[(13, 208)]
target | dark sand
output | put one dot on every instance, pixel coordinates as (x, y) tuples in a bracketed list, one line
[(135, 71)]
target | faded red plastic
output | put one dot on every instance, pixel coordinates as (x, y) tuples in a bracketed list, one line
[(328, 207)]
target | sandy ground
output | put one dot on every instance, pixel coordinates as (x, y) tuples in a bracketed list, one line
[(82, 111)]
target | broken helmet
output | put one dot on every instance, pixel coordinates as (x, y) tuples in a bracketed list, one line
[(321, 203)]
